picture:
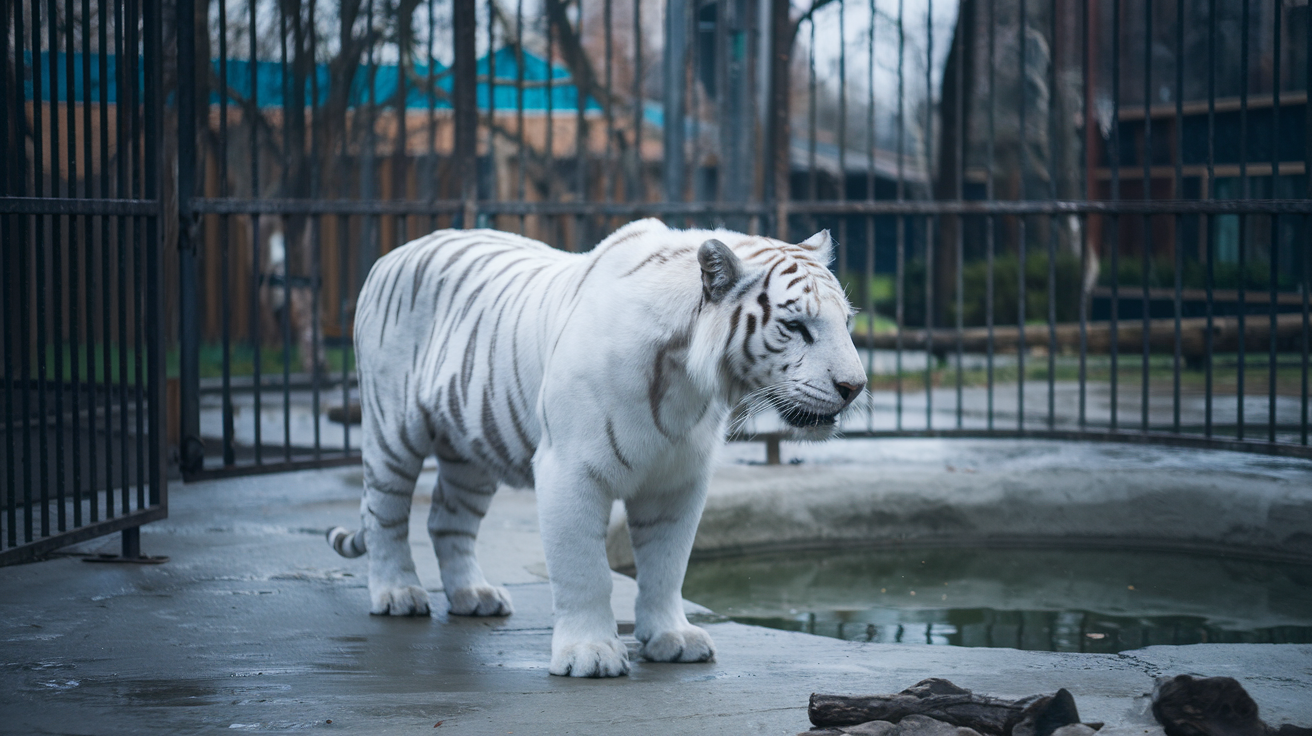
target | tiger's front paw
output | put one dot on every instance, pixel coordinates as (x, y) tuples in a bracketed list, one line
[(605, 657), (686, 643), (480, 600), (398, 600)]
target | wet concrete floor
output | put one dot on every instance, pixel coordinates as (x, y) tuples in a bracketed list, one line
[(255, 625)]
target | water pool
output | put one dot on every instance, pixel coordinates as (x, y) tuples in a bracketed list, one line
[(1054, 600)]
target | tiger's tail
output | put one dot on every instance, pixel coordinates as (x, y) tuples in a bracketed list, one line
[(347, 544)]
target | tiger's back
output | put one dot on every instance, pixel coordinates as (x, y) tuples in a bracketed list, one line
[(451, 332)]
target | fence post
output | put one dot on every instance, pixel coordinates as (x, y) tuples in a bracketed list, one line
[(191, 452), (676, 36), (777, 150), (465, 101)]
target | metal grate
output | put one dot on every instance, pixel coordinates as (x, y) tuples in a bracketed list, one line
[(82, 446), (1080, 219)]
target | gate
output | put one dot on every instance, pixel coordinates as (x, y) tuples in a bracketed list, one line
[(1079, 219), (82, 445)]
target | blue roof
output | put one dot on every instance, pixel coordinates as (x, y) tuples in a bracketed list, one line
[(80, 85), (386, 78)]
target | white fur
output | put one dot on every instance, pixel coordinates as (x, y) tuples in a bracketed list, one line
[(593, 377)]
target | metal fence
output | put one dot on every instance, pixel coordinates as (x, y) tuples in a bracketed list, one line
[(1077, 219), (82, 446)]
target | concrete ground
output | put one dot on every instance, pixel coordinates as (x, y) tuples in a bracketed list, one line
[(255, 625)]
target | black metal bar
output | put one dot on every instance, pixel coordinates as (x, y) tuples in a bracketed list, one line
[(343, 238), (1307, 245), (580, 143), (320, 366), (236, 471), (608, 167), (8, 166), (106, 335), (251, 118), (1307, 316), (25, 336), (960, 174), (38, 242), (6, 254), (1055, 104), (1243, 223), (190, 454), (153, 295), (900, 276), (990, 223), (779, 146), (1146, 248), (929, 221), (56, 265), (813, 172), (1091, 138), (907, 207), (74, 378), (1179, 219), (1164, 439), (871, 142), (38, 548), (1274, 256), (1115, 240), (549, 138), (131, 543), (464, 99), (287, 231), (841, 189), (88, 237), (676, 26), (1022, 240), (225, 246), (8, 176), (493, 191), (432, 108), (1211, 221), (1083, 416), (126, 84), (137, 117), (519, 107), (316, 333)]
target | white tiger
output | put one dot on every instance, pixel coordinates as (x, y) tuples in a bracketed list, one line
[(590, 377)]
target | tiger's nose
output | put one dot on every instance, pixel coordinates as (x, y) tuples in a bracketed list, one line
[(849, 391)]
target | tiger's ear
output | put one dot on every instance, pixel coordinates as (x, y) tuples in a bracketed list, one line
[(721, 269), (821, 245)]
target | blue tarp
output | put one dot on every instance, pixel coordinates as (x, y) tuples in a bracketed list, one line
[(269, 82), (80, 85)]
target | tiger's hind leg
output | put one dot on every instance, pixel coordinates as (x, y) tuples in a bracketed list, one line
[(390, 470), (460, 501)]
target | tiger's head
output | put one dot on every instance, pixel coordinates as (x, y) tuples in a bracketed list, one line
[(777, 319)]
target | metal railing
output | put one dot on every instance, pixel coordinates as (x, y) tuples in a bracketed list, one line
[(82, 445), (1081, 219)]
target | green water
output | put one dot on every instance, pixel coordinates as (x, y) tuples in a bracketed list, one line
[(1051, 600)]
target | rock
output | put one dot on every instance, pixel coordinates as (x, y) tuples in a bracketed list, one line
[(950, 705), (1206, 706), (1047, 713), (1211, 706)]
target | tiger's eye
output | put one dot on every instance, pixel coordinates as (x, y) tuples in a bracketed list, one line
[(800, 329)]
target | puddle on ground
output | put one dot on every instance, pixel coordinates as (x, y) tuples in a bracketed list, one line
[(1050, 600)]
